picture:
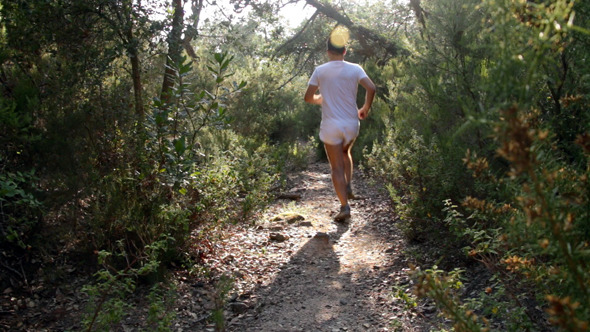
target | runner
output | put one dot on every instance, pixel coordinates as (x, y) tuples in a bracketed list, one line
[(338, 82)]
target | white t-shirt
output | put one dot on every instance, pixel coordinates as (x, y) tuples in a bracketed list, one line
[(338, 82)]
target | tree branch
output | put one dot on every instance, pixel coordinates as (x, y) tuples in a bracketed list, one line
[(298, 34), (192, 31), (366, 37)]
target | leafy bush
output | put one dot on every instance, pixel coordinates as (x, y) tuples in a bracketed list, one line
[(417, 174), (549, 236), (108, 297), (372, 128), (522, 217), (437, 114), (20, 210), (186, 169), (443, 288), (140, 202), (234, 181)]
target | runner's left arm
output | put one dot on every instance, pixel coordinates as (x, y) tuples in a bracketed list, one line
[(311, 97)]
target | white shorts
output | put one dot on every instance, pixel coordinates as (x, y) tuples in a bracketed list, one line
[(334, 132)]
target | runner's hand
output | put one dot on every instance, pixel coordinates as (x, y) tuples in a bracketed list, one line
[(363, 112)]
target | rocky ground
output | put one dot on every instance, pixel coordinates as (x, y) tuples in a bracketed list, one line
[(294, 270)]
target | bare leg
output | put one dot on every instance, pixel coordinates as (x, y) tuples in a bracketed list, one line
[(348, 167), (337, 166)]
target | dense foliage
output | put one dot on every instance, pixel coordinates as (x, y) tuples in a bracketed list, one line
[(130, 129), (489, 145), (104, 163)]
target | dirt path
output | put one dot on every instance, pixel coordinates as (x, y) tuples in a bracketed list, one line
[(313, 274)]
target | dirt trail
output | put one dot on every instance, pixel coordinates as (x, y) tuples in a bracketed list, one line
[(315, 274)]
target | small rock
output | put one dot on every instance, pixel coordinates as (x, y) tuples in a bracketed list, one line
[(276, 228), (429, 309), (278, 237), (290, 195), (322, 235), (322, 238), (238, 307), (305, 224), (233, 297)]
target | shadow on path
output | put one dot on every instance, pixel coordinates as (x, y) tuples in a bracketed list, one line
[(309, 294)]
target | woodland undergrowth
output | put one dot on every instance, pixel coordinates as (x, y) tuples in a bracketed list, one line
[(503, 171)]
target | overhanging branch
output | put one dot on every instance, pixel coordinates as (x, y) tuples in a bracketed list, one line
[(298, 34), (365, 36)]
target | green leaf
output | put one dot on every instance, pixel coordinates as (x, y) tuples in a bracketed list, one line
[(180, 145), (219, 57), (213, 70)]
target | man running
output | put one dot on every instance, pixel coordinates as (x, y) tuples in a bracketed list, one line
[(338, 81)]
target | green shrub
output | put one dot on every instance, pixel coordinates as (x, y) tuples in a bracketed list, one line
[(20, 210), (519, 211), (233, 182), (444, 289), (418, 175), (185, 169)]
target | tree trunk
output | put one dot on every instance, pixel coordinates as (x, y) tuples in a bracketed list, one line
[(174, 50), (192, 30), (132, 49), (136, 77)]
